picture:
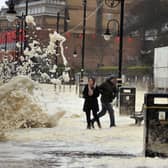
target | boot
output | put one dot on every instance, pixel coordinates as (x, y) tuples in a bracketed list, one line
[(98, 123), (92, 124), (88, 126), (112, 125)]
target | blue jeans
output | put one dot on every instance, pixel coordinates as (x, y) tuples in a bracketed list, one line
[(107, 107)]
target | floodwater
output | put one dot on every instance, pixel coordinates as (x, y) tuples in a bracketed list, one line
[(58, 154), (70, 145), (49, 154)]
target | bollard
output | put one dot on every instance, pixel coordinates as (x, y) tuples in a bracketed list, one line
[(127, 101), (156, 125)]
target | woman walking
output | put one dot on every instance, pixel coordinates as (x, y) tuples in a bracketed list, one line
[(90, 94)]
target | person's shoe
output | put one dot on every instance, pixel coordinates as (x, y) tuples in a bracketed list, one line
[(88, 127), (112, 126), (92, 124), (99, 125)]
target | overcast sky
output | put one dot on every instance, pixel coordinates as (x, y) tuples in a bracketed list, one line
[(2, 3)]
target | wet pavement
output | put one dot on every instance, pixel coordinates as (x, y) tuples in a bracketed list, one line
[(53, 154), (50, 154)]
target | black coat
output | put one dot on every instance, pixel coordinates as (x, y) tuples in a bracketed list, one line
[(108, 91), (91, 102)]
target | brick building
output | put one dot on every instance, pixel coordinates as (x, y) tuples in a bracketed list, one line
[(98, 51)]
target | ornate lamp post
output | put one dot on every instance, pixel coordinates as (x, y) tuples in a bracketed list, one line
[(112, 4)]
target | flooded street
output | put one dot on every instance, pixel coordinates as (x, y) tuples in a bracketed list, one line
[(49, 154), (70, 145), (84, 84), (53, 154)]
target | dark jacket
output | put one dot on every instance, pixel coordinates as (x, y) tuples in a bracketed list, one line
[(90, 102), (108, 91)]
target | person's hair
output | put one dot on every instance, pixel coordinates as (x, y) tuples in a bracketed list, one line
[(112, 77), (93, 79)]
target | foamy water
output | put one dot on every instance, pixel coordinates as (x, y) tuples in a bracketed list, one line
[(50, 154), (21, 107), (71, 145)]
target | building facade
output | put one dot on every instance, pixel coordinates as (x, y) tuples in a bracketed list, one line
[(98, 51)]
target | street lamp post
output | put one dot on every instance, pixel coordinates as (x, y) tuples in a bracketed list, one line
[(57, 42), (22, 31), (83, 38), (17, 39), (112, 4), (27, 6), (58, 19), (25, 26), (66, 19), (121, 40), (6, 40)]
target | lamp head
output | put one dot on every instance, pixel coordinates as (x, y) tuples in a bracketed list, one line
[(68, 19), (11, 16), (107, 35), (11, 13), (75, 54)]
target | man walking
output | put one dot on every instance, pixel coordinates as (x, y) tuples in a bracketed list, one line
[(108, 92)]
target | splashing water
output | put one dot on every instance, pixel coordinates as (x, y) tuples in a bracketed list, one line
[(51, 48), (20, 107), (34, 50), (30, 20)]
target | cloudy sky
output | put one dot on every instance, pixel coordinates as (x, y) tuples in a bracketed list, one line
[(2, 3)]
